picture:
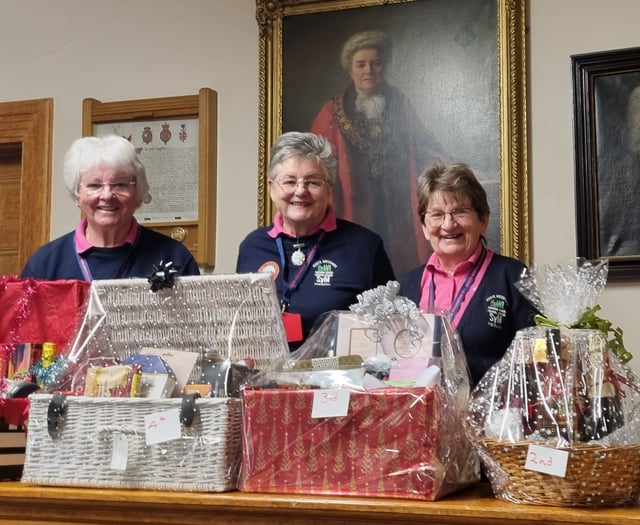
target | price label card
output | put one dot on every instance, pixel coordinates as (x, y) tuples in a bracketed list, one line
[(119, 452), (547, 460), (333, 402), (162, 426)]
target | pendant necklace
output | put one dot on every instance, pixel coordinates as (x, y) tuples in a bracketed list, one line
[(298, 257)]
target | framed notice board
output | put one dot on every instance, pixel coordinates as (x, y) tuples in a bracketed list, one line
[(176, 138)]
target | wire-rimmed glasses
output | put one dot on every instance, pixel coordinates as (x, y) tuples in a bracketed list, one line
[(459, 215), (122, 188), (290, 184)]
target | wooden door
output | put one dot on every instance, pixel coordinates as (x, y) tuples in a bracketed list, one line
[(26, 130)]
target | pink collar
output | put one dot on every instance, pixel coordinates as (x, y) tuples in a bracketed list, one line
[(328, 224), (82, 244)]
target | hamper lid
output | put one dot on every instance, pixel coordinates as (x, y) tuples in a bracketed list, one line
[(226, 316)]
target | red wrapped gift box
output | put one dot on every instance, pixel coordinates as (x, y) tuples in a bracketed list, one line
[(32, 311), (394, 442), (37, 311)]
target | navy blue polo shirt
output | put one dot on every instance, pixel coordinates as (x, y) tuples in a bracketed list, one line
[(348, 260)]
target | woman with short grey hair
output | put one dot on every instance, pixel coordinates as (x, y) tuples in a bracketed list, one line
[(107, 181), (318, 261)]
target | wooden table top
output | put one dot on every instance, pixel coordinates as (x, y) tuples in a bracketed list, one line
[(22, 503)]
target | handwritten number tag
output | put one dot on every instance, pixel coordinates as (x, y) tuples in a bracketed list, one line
[(333, 402), (547, 460), (162, 426)]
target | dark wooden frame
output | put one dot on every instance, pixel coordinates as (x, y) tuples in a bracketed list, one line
[(512, 73), (587, 68)]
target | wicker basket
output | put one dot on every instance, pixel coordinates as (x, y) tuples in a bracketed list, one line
[(596, 475), (233, 317), (206, 458)]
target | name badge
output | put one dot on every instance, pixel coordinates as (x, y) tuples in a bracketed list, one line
[(292, 326)]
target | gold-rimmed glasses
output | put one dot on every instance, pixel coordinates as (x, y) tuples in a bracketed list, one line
[(122, 188), (290, 184), (459, 215)]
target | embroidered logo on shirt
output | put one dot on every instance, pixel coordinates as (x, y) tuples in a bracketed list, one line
[(270, 267), (497, 310), (324, 272)]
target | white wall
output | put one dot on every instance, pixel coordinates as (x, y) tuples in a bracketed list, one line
[(132, 49), (127, 49), (559, 29)]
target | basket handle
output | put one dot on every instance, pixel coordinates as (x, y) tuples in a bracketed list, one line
[(112, 429), (55, 415), (188, 408)]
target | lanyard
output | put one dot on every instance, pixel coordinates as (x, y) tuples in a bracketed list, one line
[(84, 267), (290, 287), (466, 285), (86, 271)]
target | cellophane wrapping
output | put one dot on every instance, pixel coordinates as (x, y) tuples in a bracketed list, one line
[(219, 318), (33, 312), (399, 432), (103, 441), (562, 388)]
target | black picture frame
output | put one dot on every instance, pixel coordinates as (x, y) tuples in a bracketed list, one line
[(277, 23), (606, 91)]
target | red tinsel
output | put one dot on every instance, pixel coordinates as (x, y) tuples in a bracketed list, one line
[(24, 304), (35, 311)]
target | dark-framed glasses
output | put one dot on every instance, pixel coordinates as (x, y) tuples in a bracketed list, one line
[(459, 215), (290, 184), (118, 187)]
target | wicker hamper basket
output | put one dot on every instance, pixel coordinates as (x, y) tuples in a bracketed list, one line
[(596, 475), (556, 421), (230, 317), (205, 458)]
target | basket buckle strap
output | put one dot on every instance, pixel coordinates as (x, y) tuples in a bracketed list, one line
[(55, 415), (188, 408)]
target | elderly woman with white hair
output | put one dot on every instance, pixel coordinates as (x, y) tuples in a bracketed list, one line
[(381, 145), (319, 263), (107, 181)]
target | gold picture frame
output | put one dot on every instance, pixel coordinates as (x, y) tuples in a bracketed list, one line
[(275, 17)]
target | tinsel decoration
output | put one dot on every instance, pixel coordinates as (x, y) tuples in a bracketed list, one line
[(23, 311), (44, 375), (163, 275), (24, 304)]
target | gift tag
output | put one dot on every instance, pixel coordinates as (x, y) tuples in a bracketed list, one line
[(292, 326), (119, 452), (162, 426), (547, 460), (333, 402)]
